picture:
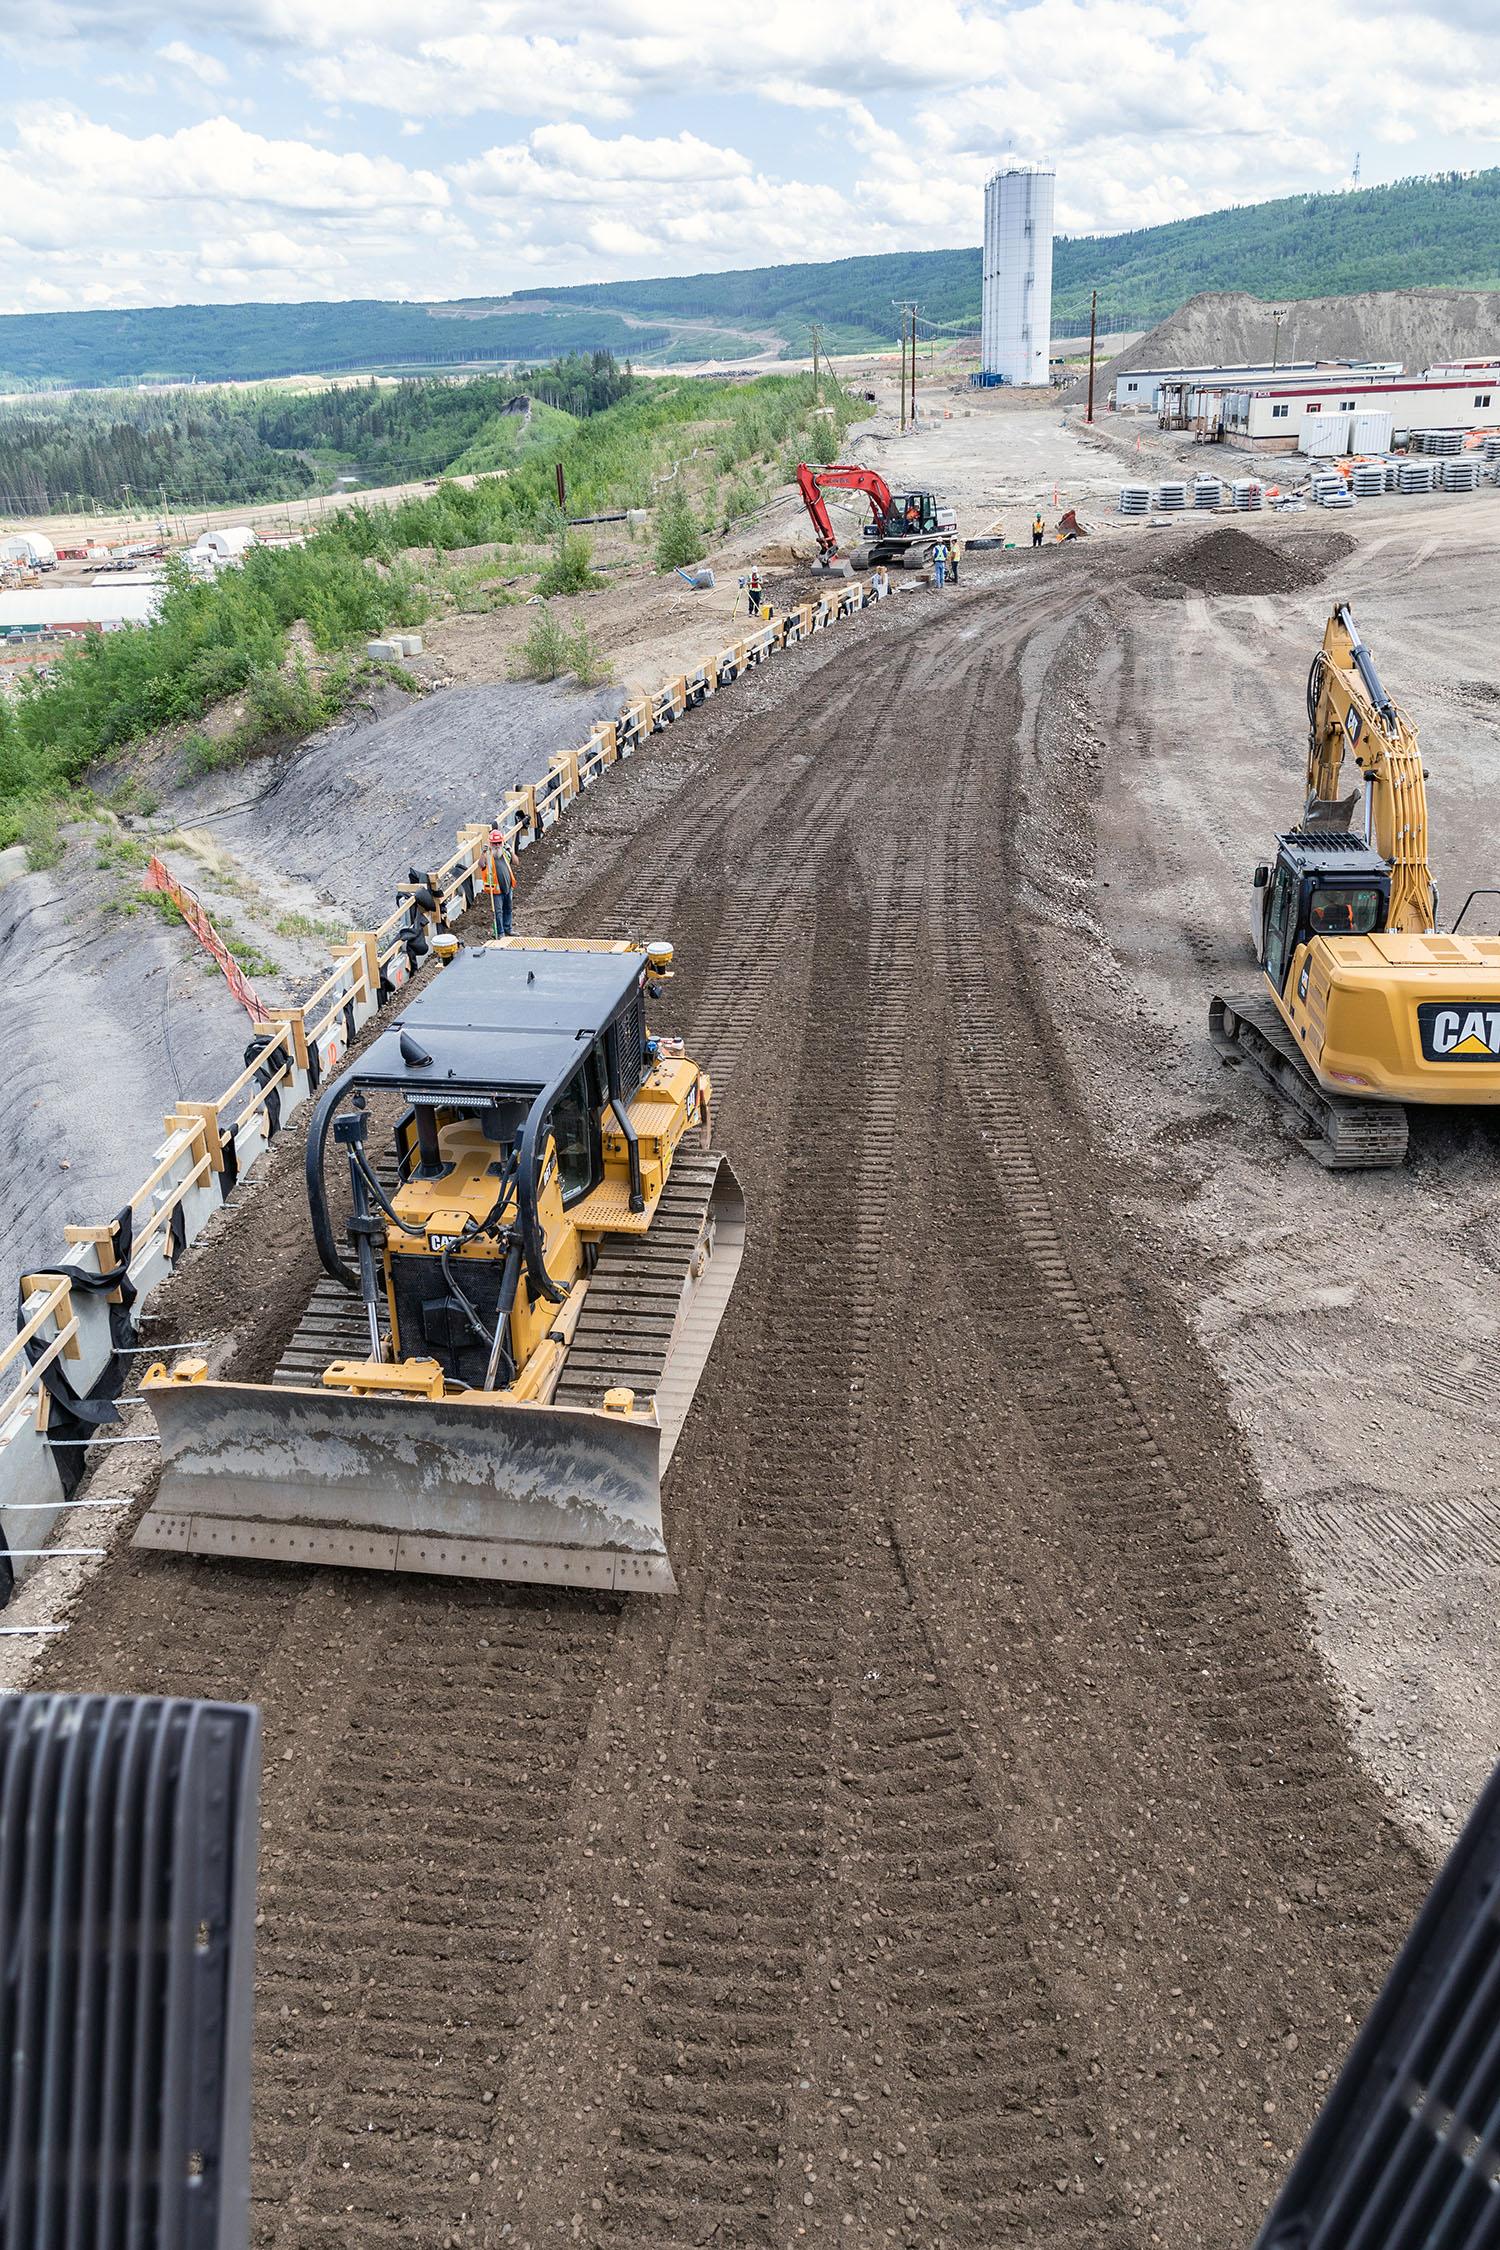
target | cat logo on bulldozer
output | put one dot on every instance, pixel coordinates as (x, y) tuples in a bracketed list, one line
[(1454, 1032)]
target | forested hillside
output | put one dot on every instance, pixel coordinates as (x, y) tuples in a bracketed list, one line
[(201, 448), (1417, 234), (219, 343)]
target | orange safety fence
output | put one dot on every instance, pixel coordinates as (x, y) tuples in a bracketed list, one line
[(193, 912)]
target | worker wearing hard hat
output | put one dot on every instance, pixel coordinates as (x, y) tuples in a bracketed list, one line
[(1037, 529)]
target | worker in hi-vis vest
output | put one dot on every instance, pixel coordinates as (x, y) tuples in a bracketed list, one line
[(1037, 528), (500, 881)]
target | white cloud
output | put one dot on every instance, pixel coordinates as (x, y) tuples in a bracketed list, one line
[(207, 69), (851, 132), (169, 216)]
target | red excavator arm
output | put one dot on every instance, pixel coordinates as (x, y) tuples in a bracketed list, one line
[(850, 479)]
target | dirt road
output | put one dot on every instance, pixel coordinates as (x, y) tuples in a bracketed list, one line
[(973, 1852)]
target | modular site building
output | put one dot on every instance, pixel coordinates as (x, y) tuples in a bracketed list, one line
[(1139, 388), (1016, 317), (64, 612), (1321, 417)]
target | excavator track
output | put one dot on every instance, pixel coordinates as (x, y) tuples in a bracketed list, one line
[(655, 1300), (1344, 1135)]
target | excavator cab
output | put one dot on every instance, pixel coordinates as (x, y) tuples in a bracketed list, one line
[(912, 512), (1323, 884)]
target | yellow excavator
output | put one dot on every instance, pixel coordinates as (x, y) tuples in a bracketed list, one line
[(492, 1371), (1366, 1006)]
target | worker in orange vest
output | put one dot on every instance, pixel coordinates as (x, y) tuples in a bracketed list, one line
[(500, 880), (1037, 529)]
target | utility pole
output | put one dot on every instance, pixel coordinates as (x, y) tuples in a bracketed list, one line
[(817, 338), (903, 370), (909, 356), (1277, 317), (1093, 334)]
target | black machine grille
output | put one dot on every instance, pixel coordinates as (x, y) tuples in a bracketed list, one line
[(1328, 839), (432, 1323), (628, 1032), (1406, 2153), (127, 1931)]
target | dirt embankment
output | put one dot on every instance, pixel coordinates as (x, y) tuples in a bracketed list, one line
[(1230, 327)]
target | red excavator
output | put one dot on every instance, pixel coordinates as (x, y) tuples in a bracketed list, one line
[(904, 526)]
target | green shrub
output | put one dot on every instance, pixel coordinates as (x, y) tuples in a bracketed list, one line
[(39, 832), (586, 661), (544, 652), (571, 570), (679, 535)]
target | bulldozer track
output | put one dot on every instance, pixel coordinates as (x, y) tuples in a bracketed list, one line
[(632, 1308), (996, 1763)]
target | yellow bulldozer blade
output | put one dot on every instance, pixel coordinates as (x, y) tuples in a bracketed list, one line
[(549, 1495), (563, 1494)]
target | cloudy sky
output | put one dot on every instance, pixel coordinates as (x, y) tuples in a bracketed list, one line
[(169, 151)]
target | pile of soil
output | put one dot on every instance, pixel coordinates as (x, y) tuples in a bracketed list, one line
[(1237, 562)]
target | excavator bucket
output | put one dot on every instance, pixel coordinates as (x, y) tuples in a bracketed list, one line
[(563, 1494), (833, 566), (549, 1495)]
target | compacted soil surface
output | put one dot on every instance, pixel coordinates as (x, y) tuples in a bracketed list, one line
[(973, 1851)]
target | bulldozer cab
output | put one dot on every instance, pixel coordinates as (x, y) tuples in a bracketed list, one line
[(1322, 884), (504, 1070)]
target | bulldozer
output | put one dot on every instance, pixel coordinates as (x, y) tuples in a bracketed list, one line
[(499, 1352), (1366, 1006)]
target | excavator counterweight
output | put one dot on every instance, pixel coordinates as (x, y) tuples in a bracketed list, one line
[(1366, 1006), (490, 1376)]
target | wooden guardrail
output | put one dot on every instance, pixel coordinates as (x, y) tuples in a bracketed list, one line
[(63, 1369)]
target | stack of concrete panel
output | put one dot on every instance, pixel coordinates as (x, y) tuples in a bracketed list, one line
[(1207, 492), (1247, 492), (1171, 497), (1415, 476), (1135, 499), (1369, 480), (1392, 471), (1459, 476), (1492, 448)]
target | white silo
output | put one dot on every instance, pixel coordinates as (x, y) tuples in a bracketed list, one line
[(1016, 326)]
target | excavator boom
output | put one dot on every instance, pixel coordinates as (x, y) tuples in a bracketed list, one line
[(903, 525), (1350, 714)]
